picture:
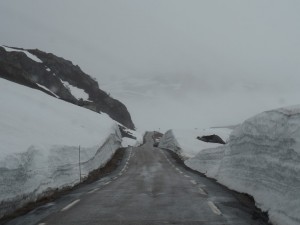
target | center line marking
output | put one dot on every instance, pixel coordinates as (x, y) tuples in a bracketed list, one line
[(193, 181), (214, 208), (202, 191), (92, 191), (70, 205)]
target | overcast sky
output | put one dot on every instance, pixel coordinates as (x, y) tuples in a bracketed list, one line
[(210, 45)]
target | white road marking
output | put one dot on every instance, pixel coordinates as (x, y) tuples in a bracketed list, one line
[(107, 183), (70, 205), (193, 181), (202, 192), (214, 208), (186, 175), (42, 224), (92, 191), (180, 172), (120, 174), (115, 178)]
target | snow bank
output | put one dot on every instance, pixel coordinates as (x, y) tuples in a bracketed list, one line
[(207, 161), (40, 137), (262, 159), (185, 142)]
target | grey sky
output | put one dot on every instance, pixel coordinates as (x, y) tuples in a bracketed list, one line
[(219, 45)]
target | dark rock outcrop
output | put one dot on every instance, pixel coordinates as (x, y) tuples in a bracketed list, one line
[(126, 133), (51, 73), (212, 139)]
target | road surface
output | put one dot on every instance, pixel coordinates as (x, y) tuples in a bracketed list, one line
[(149, 188)]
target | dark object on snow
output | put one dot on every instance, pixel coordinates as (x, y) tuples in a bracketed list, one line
[(212, 139), (126, 133)]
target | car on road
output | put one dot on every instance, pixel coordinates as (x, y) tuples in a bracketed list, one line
[(155, 144)]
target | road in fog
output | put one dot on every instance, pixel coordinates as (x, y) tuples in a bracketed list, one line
[(149, 187)]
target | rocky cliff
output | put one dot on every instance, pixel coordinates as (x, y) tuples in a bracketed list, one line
[(61, 79)]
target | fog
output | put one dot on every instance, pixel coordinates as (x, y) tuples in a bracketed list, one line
[(173, 63)]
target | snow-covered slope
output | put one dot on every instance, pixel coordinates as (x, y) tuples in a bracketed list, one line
[(262, 159), (185, 142), (40, 137)]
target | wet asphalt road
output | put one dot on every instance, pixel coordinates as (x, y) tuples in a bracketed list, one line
[(148, 188)]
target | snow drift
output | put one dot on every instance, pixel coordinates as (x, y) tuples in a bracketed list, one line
[(40, 137), (185, 142), (262, 158)]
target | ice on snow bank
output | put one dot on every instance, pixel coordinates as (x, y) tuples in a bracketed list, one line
[(40, 136), (185, 142), (262, 159)]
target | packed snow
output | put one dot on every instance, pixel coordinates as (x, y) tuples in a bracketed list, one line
[(262, 158), (75, 91), (29, 55), (185, 142), (40, 137)]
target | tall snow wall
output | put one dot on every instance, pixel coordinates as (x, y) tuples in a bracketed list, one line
[(168, 141), (262, 159), (41, 172)]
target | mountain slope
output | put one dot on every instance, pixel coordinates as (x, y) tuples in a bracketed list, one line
[(60, 78)]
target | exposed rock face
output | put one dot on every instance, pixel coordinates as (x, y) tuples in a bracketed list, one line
[(58, 76), (212, 139)]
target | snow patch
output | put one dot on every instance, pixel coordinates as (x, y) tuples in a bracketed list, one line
[(28, 54), (45, 88), (75, 91)]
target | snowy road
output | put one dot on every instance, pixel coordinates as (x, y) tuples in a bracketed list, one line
[(150, 187)]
